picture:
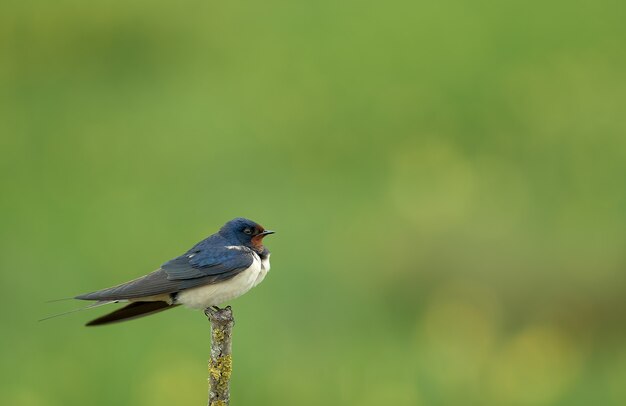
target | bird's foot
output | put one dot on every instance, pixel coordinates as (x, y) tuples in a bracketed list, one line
[(211, 311), (214, 313)]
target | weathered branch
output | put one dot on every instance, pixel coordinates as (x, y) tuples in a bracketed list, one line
[(221, 362)]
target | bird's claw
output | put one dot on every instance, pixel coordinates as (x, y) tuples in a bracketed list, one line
[(214, 313)]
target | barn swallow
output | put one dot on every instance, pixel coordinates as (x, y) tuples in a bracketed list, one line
[(217, 269)]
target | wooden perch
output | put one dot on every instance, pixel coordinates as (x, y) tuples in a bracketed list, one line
[(221, 362)]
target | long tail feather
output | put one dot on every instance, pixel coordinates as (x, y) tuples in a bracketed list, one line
[(91, 306), (131, 311), (59, 300)]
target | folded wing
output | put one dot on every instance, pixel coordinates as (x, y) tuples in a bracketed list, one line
[(187, 271)]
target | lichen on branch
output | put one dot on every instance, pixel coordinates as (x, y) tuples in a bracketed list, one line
[(221, 362)]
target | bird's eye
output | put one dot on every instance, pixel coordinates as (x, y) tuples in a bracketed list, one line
[(247, 231)]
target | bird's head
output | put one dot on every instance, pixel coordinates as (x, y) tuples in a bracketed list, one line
[(245, 232)]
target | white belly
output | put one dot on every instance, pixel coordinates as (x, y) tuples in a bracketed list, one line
[(265, 268), (215, 294)]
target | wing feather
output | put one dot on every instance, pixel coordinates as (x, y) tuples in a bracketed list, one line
[(181, 273), (201, 263)]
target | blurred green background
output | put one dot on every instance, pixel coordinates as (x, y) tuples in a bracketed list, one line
[(446, 179)]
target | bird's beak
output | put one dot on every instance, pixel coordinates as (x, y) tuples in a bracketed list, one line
[(267, 232)]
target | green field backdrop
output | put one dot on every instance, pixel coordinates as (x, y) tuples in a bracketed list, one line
[(447, 180)]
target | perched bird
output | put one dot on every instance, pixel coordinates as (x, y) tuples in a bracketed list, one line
[(220, 268)]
